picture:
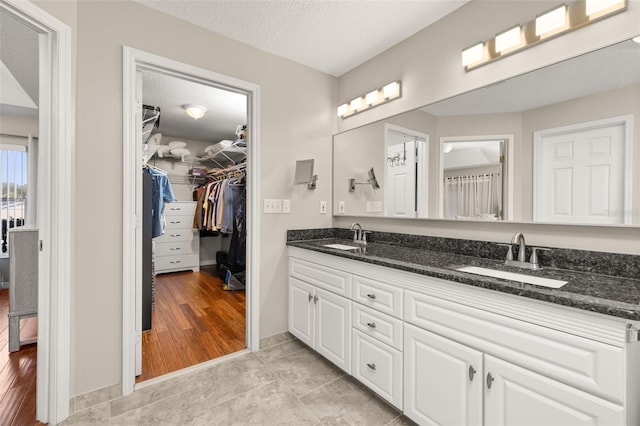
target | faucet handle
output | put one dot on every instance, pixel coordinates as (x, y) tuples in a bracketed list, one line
[(364, 236), (356, 234), (509, 252), (534, 254)]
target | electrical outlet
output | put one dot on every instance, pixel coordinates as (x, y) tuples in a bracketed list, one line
[(286, 206), (376, 206), (341, 207), (272, 205), (323, 207)]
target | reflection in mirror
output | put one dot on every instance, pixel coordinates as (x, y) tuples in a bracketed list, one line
[(598, 86), (472, 176), (406, 178)]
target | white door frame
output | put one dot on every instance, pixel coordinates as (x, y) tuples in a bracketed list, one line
[(627, 123), (134, 60), (54, 209)]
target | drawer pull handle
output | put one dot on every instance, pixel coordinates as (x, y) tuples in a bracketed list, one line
[(175, 248), (315, 299), (175, 261), (371, 366), (472, 372), (175, 235), (371, 324), (490, 380), (371, 295), (175, 221), (310, 297)]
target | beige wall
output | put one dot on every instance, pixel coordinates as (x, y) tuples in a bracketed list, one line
[(18, 126), (297, 121), (429, 66)]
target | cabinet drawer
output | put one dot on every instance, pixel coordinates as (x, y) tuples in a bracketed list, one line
[(179, 222), (376, 324), (378, 366), (176, 248), (180, 209), (338, 282), (164, 263), (174, 235), (586, 364), (378, 295)]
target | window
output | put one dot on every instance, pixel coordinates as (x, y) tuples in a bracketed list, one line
[(13, 182)]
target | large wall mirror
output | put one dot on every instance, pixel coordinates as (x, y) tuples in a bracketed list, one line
[(557, 145)]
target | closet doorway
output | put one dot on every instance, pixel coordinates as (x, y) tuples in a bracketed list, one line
[(193, 302)]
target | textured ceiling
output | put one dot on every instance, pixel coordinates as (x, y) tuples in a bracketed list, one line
[(330, 36), (19, 54), (225, 110)]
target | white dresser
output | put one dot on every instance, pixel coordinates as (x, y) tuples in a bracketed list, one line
[(178, 249)]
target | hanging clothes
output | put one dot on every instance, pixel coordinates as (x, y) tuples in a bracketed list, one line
[(162, 193)]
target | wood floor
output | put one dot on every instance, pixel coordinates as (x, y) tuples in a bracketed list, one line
[(17, 371), (194, 321)]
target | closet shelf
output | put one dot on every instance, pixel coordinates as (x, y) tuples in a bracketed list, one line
[(225, 153)]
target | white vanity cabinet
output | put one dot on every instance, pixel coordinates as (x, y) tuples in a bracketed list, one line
[(319, 312), (453, 354)]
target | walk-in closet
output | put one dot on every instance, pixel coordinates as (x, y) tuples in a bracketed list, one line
[(194, 142)]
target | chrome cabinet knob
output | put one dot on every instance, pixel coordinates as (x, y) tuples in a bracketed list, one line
[(472, 372), (490, 380)]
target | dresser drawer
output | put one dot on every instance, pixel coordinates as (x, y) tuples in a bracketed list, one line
[(180, 208), (189, 261), (583, 363), (376, 324), (330, 279), (177, 248), (378, 295), (179, 222), (174, 235), (378, 366)]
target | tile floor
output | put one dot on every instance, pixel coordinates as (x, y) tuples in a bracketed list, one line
[(285, 383)]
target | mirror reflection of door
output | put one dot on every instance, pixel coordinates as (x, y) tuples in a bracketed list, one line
[(472, 179), (405, 173), (580, 173)]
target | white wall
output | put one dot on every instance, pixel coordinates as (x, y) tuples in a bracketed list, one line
[(297, 121), (429, 66)]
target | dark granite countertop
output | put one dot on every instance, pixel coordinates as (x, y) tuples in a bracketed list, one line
[(611, 295)]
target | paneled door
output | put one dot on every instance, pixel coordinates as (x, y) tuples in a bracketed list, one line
[(400, 192), (579, 174)]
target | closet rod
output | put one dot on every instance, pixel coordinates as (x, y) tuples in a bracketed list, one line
[(16, 136)]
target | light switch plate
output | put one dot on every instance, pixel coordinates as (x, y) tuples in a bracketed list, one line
[(323, 207), (341, 207), (286, 206), (272, 205)]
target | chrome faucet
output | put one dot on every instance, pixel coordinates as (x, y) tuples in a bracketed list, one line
[(518, 238), (359, 234)]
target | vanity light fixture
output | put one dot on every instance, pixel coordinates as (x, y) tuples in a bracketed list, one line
[(195, 111), (597, 8), (551, 21), (636, 39), (509, 39), (473, 54), (559, 20), (371, 99)]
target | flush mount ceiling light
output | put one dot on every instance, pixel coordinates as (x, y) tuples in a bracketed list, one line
[(554, 22), (195, 111), (551, 21), (371, 99), (509, 39)]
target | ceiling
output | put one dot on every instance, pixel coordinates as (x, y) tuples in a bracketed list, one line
[(327, 35)]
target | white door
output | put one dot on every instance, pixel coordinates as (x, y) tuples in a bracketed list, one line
[(516, 396), (333, 328), (442, 380), (400, 177), (580, 176), (301, 312), (138, 233)]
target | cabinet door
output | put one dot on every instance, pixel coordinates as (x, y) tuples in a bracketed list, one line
[(442, 380), (333, 328), (301, 312), (516, 396)]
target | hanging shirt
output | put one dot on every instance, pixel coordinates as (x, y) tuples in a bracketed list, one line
[(162, 193)]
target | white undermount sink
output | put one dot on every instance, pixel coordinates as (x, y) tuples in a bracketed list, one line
[(530, 279), (341, 246)]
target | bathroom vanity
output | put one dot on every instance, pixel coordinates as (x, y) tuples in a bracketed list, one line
[(449, 347)]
